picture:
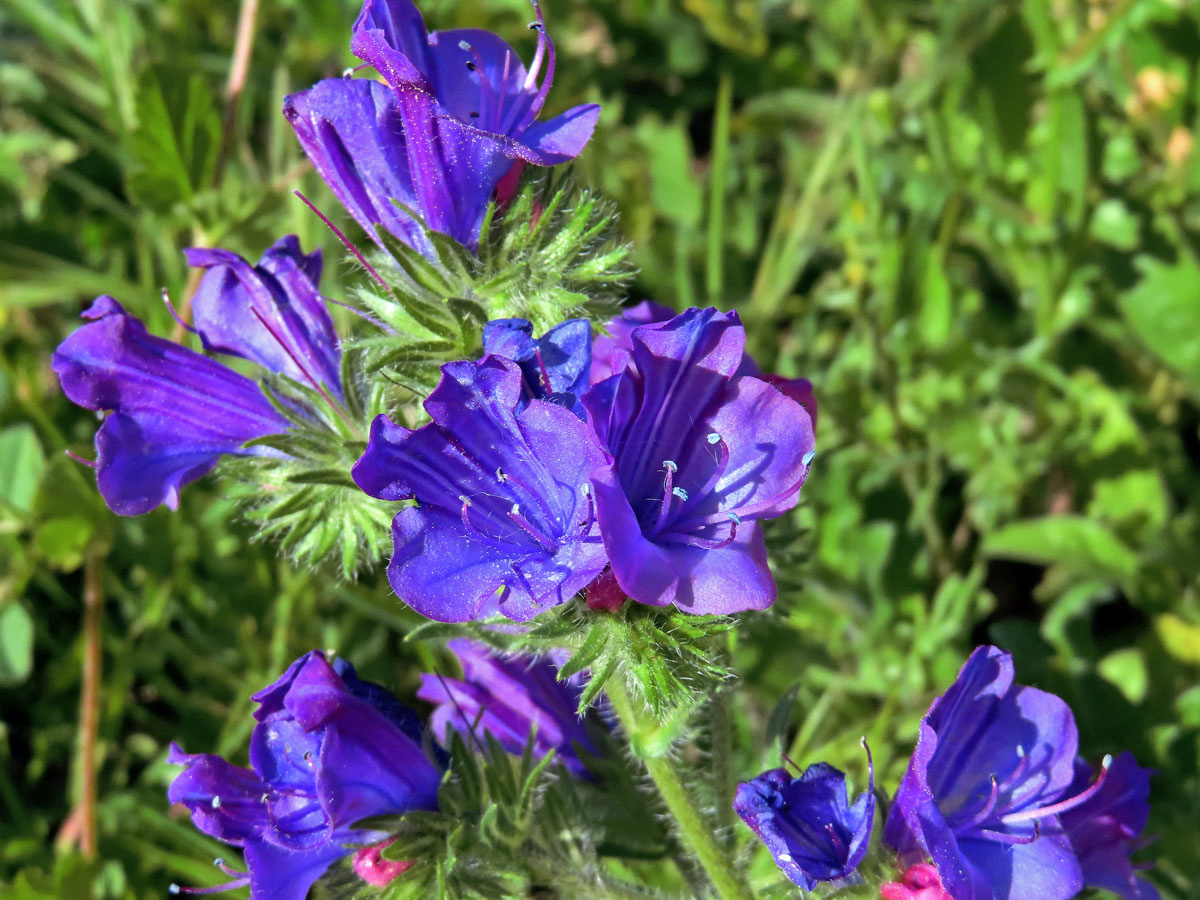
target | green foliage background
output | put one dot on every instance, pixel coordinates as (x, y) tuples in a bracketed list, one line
[(975, 224)]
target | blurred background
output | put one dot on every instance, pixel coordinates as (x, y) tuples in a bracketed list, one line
[(975, 224)]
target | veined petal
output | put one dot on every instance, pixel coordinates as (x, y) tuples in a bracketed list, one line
[(503, 503), (553, 367), (270, 313), (391, 35), (353, 132), (224, 800), (277, 873), (175, 412), (562, 138)]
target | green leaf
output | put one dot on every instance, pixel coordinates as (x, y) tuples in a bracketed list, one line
[(1163, 310), (1115, 225), (21, 464), (63, 540), (1079, 544), (16, 644)]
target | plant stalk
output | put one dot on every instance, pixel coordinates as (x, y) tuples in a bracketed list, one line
[(695, 831)]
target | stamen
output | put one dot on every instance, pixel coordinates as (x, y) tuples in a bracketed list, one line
[(466, 505), (175, 890), (543, 39), (718, 472), (835, 839), (345, 241), (591, 507), (500, 476), (808, 457), (174, 315), (989, 804), (1005, 838), (668, 492), (680, 493), (216, 802), (312, 380), (229, 870), (1063, 805), (537, 354), (694, 540), (90, 463), (515, 515)]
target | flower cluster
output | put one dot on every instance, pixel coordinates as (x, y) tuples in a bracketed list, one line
[(527, 493), (996, 804), (330, 750)]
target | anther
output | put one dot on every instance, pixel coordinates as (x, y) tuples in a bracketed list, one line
[(713, 438), (471, 66), (464, 45), (680, 493), (216, 802), (348, 72), (670, 465), (808, 457), (737, 520), (536, 26), (474, 114), (500, 476)]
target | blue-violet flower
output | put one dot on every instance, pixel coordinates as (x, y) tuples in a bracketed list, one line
[(328, 751), (172, 413), (808, 823), (458, 115), (992, 772), (701, 454), (1107, 827), (504, 521), (554, 367), (510, 697)]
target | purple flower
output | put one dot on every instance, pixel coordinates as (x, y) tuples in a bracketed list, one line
[(173, 413), (701, 453), (327, 751), (808, 823), (271, 313), (993, 771), (1107, 827), (504, 518), (554, 367), (457, 114), (510, 697), (612, 353)]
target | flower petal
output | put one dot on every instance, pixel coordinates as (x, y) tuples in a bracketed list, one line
[(224, 800), (270, 313), (175, 412)]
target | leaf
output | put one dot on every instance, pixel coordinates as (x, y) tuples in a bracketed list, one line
[(1080, 544), (781, 716), (1180, 638), (21, 464), (16, 644), (1115, 225), (62, 541), (1164, 311)]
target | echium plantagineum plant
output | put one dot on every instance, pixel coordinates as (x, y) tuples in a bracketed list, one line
[(579, 499)]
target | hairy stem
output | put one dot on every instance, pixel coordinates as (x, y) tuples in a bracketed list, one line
[(695, 831)]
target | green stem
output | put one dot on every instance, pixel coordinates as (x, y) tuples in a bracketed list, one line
[(695, 830), (721, 725), (717, 174), (569, 882)]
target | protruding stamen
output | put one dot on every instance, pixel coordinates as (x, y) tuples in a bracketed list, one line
[(500, 476), (515, 514), (229, 870), (241, 881), (216, 802), (713, 437), (694, 540), (1063, 805), (808, 457), (680, 493), (989, 804), (90, 463), (345, 241), (166, 297)]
